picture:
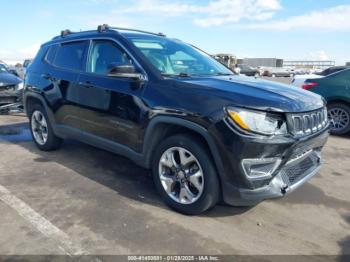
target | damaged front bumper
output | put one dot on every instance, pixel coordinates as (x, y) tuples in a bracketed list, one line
[(297, 161), (290, 177)]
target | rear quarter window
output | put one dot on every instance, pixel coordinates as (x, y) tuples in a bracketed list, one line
[(71, 55), (51, 54)]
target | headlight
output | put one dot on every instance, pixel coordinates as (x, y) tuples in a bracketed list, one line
[(20, 86), (258, 122)]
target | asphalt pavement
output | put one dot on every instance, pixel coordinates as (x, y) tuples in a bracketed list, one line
[(82, 200)]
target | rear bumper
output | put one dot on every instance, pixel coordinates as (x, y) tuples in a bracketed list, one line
[(301, 161)]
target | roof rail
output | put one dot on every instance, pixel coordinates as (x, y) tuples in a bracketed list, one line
[(105, 27), (66, 32), (102, 28)]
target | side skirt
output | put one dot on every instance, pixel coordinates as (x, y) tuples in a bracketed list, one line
[(102, 143)]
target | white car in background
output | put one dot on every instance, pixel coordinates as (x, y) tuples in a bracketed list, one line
[(299, 80), (278, 72)]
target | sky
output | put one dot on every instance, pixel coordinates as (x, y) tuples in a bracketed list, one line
[(287, 29)]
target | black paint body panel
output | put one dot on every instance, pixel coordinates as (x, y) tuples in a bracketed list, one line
[(124, 115)]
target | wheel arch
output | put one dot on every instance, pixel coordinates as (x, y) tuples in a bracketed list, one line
[(163, 126), (338, 100), (31, 98)]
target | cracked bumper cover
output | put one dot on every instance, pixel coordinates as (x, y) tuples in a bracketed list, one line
[(287, 178)]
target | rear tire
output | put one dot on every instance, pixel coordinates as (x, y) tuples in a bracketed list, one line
[(171, 175), (339, 115), (41, 129)]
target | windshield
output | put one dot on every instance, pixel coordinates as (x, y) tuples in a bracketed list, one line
[(3, 69), (173, 57)]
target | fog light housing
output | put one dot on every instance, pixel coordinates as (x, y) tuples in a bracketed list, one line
[(260, 168)]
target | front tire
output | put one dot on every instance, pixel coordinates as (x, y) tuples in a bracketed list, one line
[(339, 115), (185, 176), (41, 129)]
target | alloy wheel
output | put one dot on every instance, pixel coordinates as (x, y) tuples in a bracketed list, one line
[(39, 127), (339, 118), (181, 175)]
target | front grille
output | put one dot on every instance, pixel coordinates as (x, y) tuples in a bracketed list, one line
[(293, 173), (308, 123)]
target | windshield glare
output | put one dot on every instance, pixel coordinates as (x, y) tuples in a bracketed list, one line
[(173, 57)]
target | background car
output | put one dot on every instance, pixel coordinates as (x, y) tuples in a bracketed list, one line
[(9, 69), (299, 80), (10, 86), (248, 70), (335, 88), (278, 72), (332, 70), (8, 80)]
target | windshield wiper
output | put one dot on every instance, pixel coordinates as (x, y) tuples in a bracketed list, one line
[(179, 74)]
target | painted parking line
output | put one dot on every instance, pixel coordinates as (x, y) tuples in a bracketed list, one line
[(44, 226)]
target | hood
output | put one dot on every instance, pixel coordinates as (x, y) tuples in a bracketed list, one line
[(9, 79), (257, 93)]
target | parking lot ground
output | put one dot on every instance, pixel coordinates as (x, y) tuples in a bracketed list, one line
[(82, 200)]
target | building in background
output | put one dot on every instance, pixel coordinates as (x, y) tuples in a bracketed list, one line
[(309, 64)]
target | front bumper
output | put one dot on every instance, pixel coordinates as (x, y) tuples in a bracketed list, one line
[(289, 178), (301, 160)]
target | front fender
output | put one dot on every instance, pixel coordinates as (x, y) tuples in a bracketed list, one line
[(151, 138)]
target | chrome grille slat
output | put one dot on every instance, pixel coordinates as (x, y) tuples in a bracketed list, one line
[(309, 122)]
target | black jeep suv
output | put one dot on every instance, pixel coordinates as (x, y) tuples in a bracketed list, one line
[(207, 134)]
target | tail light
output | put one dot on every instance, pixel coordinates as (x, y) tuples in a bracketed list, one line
[(309, 85)]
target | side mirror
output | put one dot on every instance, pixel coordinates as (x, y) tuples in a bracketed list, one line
[(124, 71)]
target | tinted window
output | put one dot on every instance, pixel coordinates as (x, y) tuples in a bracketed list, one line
[(71, 55), (331, 71), (51, 53), (105, 54)]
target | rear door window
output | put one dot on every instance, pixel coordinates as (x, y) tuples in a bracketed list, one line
[(71, 55)]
